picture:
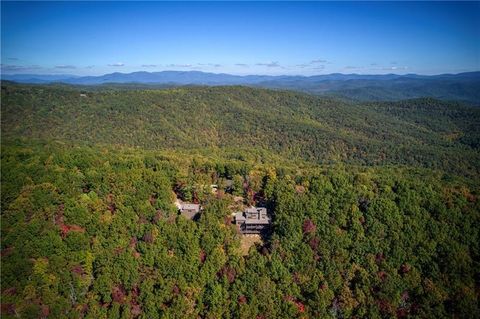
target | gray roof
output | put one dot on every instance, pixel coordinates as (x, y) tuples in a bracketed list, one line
[(259, 216), (258, 221), (240, 217), (190, 206), (255, 209)]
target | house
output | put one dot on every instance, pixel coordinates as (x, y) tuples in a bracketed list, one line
[(189, 210), (252, 220)]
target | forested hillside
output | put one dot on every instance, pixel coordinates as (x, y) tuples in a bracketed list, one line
[(374, 205), (422, 132)]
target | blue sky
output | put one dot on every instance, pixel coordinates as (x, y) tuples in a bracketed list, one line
[(241, 38)]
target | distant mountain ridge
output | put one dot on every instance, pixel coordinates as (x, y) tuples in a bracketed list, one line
[(462, 86), (163, 77), (205, 78)]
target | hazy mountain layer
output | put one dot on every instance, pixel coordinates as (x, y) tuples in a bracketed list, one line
[(463, 86)]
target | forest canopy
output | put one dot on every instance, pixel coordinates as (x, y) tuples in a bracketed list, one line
[(374, 206)]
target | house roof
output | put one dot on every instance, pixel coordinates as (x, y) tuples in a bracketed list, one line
[(258, 221), (255, 210), (190, 207), (240, 217), (243, 217)]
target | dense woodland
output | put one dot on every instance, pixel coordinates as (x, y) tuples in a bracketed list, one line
[(375, 205)]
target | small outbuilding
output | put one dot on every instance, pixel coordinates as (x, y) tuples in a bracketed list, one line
[(190, 211)]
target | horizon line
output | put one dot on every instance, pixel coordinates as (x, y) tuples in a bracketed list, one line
[(232, 74)]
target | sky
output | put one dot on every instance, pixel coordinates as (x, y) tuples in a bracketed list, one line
[(302, 38)]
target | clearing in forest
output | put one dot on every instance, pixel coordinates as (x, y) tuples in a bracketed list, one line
[(248, 241)]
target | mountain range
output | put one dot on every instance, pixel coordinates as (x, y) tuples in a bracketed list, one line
[(386, 87)]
